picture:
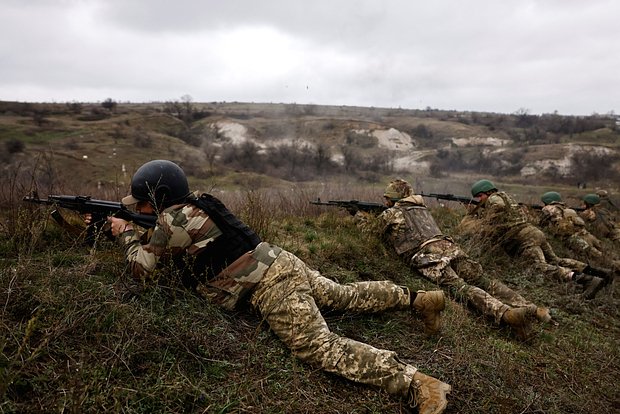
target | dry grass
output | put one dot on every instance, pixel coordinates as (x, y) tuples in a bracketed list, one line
[(78, 337)]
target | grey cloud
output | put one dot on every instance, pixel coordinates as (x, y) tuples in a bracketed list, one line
[(474, 55)]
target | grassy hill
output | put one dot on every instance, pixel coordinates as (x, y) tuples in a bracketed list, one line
[(78, 336)]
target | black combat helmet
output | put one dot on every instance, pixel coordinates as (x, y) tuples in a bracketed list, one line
[(160, 182)]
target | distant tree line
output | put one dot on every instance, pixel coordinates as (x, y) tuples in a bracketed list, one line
[(299, 162), (585, 166)]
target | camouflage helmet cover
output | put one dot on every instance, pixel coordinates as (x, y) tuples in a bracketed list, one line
[(482, 186), (398, 189), (551, 196), (591, 199), (602, 193)]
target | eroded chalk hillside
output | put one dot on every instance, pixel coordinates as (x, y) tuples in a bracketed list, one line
[(289, 142), (548, 148)]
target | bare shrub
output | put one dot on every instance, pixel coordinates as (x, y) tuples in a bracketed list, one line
[(422, 131), (74, 107), (194, 165), (362, 140), (278, 130), (244, 156), (594, 166), (379, 163), (210, 151), (192, 136), (142, 139), (96, 114), (14, 145), (38, 117), (322, 157), (436, 170), (109, 104), (351, 158), (71, 144)]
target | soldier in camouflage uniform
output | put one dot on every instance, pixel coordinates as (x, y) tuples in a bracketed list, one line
[(503, 222), (608, 204), (564, 223), (196, 232), (599, 220), (410, 228)]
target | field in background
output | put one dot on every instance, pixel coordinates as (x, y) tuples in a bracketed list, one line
[(76, 147)]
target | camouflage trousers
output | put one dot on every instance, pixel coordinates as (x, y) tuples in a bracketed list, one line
[(531, 244), (444, 263), (289, 297), (584, 244)]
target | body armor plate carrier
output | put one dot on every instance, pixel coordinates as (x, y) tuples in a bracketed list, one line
[(236, 239), (421, 226)]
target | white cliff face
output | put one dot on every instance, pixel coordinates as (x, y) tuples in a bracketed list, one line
[(394, 139), (488, 141), (391, 139), (406, 157), (236, 133), (563, 165)]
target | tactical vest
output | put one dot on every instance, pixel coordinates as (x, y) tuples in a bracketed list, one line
[(510, 216), (421, 226), (236, 239)]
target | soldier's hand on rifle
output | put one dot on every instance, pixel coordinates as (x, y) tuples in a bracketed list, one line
[(118, 226), (88, 218)]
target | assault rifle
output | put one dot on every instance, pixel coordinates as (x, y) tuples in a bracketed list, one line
[(353, 206), (99, 210), (451, 197)]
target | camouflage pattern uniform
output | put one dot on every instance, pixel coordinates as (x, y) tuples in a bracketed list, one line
[(286, 292), (414, 234), (600, 223), (607, 204), (504, 223), (565, 223)]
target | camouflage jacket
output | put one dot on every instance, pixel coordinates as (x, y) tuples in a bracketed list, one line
[(499, 214), (600, 223), (609, 205), (561, 220), (186, 229)]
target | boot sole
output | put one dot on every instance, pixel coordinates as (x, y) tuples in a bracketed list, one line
[(445, 388)]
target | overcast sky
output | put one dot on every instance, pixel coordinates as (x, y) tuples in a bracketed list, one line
[(479, 55)]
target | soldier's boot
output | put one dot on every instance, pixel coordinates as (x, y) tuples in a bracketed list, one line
[(543, 315), (428, 394), (520, 319), (430, 305), (591, 284), (605, 274)]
